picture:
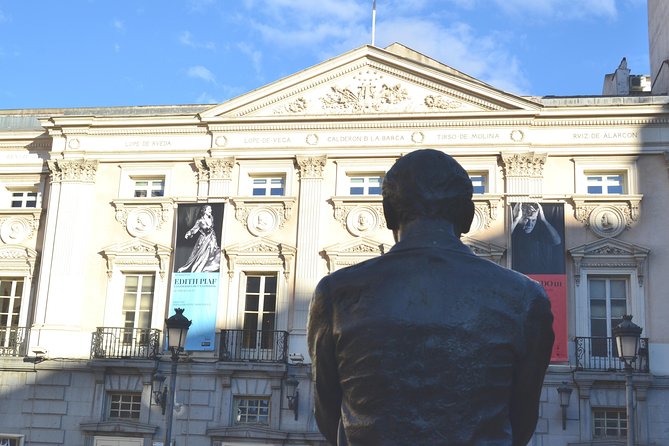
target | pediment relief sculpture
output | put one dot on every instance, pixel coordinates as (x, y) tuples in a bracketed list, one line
[(353, 252), (137, 252), (142, 216), (609, 253), (607, 216), (260, 252)]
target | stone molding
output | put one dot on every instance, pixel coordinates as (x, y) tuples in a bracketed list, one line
[(485, 250), (73, 170), (137, 252), (349, 209), (16, 260), (19, 225), (260, 252), (607, 215), (609, 253), (311, 167), (353, 252), (142, 216)]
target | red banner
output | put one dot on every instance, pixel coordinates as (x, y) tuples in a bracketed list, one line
[(556, 289)]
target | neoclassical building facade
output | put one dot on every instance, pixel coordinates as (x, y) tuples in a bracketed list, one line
[(104, 214)]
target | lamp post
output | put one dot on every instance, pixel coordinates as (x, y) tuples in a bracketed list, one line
[(177, 329), (564, 391), (627, 335)]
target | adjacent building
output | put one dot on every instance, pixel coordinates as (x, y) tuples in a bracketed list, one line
[(111, 217)]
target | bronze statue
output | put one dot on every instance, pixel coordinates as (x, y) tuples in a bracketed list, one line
[(428, 344)]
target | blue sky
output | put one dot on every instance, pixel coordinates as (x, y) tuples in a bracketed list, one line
[(79, 53)]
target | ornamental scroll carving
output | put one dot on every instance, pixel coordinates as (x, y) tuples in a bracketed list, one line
[(311, 167), (442, 102), (527, 165), (485, 212), (141, 217), (80, 170)]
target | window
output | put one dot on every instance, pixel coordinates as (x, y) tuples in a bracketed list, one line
[(24, 199), (268, 186), (11, 290), (605, 183), (137, 304), (479, 182), (149, 187), (251, 410), (125, 405), (260, 311), (365, 184), (608, 303), (11, 440), (609, 423)]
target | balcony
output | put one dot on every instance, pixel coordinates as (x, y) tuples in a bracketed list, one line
[(14, 341), (253, 346), (599, 353), (125, 343)]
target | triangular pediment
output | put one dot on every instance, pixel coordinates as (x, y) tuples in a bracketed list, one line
[(260, 246), (483, 249), (136, 246), (353, 251), (609, 248), (369, 81)]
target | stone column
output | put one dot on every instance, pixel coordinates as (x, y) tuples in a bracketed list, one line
[(60, 324), (524, 174), (214, 176), (308, 238)]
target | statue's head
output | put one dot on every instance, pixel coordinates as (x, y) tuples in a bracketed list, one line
[(428, 184)]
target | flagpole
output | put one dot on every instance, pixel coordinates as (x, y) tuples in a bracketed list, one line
[(373, 20)]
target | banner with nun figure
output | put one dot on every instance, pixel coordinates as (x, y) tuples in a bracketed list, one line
[(196, 273)]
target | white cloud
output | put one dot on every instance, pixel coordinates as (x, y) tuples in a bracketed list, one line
[(206, 98), (118, 25), (253, 54), (559, 9), (117, 48), (200, 5), (201, 72), (186, 38)]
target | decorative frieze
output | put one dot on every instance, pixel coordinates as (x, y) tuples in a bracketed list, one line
[(79, 170), (311, 167), (142, 216), (441, 102)]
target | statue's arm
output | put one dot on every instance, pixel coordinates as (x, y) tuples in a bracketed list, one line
[(324, 365), (530, 370)]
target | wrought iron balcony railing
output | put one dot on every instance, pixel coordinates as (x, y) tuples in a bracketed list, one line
[(253, 345), (125, 343), (599, 353), (14, 341)]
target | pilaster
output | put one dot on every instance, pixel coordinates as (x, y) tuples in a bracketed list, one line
[(62, 279), (308, 237)]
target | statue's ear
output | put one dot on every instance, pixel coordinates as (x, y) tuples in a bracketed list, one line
[(392, 220), (465, 218)]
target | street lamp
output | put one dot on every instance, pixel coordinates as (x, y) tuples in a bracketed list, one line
[(564, 391), (627, 335), (177, 329), (293, 395)]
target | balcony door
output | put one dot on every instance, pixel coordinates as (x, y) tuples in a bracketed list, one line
[(608, 304), (259, 321), (11, 290), (137, 305)]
